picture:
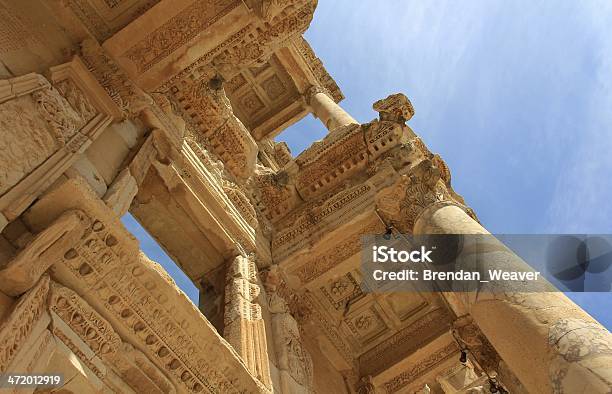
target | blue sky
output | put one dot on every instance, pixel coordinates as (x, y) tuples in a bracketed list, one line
[(516, 96)]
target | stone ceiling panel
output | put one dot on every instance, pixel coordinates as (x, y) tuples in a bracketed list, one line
[(264, 98)]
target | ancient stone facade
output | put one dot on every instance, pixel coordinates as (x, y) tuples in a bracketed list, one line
[(168, 109)]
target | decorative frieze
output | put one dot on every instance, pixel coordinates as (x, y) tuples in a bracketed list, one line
[(47, 248), (141, 301), (210, 114), (18, 327), (83, 320), (43, 128), (422, 367)]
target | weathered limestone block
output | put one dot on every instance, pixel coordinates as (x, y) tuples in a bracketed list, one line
[(140, 373), (274, 154), (382, 136), (121, 193), (96, 344), (241, 202), (253, 47), (140, 164), (84, 331), (82, 90), (131, 101), (274, 195), (335, 215), (83, 167), (47, 248), (107, 154)]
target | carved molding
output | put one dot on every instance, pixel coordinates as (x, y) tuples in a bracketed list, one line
[(17, 327), (422, 367), (47, 248), (257, 46), (176, 32), (41, 131), (318, 70), (404, 342), (210, 115), (83, 320)]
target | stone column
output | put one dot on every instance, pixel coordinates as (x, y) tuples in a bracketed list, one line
[(549, 343), (244, 327), (326, 110)]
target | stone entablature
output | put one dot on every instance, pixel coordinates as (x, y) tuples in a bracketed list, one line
[(138, 299), (166, 109)]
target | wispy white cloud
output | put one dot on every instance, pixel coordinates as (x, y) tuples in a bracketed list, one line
[(581, 201)]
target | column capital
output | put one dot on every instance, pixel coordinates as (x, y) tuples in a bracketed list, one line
[(314, 89), (404, 202)]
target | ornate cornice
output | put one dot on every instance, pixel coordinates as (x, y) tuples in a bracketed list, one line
[(421, 368), (318, 69)]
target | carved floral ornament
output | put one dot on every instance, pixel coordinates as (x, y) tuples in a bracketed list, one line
[(255, 47), (402, 203), (423, 187)]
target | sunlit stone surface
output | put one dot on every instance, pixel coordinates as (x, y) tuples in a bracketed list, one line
[(168, 109)]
